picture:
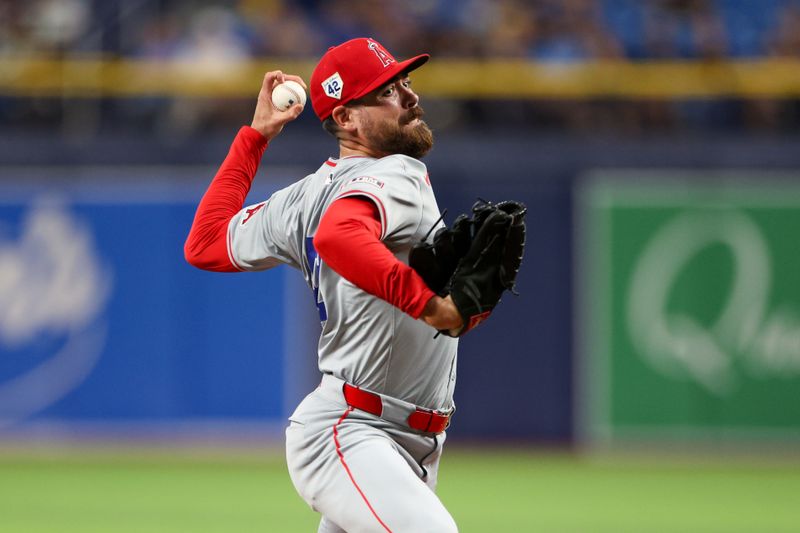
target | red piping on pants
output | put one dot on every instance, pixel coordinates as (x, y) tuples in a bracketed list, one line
[(347, 468)]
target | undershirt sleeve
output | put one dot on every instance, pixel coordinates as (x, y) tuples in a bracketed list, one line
[(348, 241), (206, 246)]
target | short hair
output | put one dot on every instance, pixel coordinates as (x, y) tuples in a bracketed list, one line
[(331, 127)]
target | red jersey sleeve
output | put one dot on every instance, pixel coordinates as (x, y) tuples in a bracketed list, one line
[(348, 240), (206, 246)]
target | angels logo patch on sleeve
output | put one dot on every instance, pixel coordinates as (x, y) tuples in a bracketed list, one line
[(333, 86), (252, 211)]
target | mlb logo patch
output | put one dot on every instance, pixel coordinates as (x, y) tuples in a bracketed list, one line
[(369, 180), (333, 86)]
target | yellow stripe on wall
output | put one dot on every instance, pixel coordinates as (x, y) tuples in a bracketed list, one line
[(441, 78)]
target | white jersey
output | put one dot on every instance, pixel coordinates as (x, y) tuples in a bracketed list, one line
[(365, 340)]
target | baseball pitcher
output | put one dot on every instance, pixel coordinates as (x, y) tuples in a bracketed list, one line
[(394, 286)]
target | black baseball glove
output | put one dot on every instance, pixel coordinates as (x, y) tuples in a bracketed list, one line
[(436, 261), (475, 260)]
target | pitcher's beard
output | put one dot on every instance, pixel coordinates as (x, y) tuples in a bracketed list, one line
[(392, 138)]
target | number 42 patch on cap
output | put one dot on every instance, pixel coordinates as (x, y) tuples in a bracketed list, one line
[(333, 86)]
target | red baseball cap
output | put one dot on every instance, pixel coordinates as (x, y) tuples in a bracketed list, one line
[(353, 69)]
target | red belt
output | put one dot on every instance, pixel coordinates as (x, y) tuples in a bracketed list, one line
[(422, 419)]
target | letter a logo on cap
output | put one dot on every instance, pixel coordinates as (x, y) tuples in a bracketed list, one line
[(382, 54), (333, 86)]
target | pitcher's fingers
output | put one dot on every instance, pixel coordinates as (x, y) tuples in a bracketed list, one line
[(293, 112), (298, 79), (271, 79)]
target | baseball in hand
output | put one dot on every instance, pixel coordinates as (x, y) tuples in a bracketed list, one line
[(287, 94)]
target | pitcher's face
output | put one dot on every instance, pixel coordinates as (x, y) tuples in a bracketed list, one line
[(391, 122)]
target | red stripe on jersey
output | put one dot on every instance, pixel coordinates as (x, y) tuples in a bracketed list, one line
[(229, 249), (330, 163), (347, 468)]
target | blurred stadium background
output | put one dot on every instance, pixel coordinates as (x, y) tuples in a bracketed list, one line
[(647, 378)]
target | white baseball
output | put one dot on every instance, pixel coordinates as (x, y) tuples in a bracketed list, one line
[(287, 94)]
